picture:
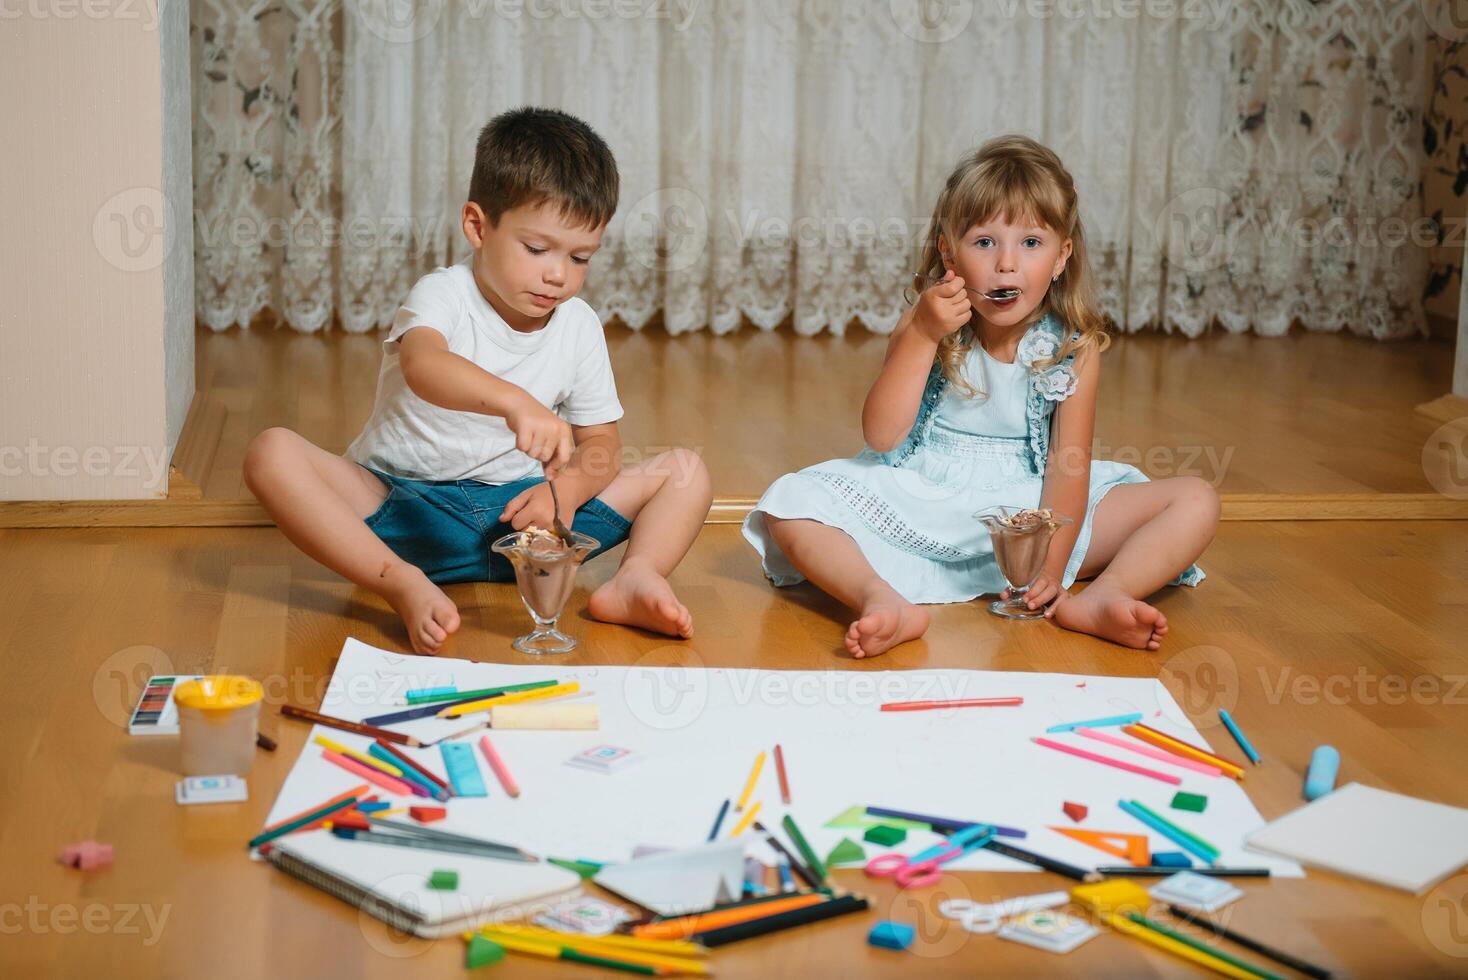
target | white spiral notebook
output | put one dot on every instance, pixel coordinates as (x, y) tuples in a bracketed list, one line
[(391, 883)]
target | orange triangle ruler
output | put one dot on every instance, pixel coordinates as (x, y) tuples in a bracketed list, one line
[(1131, 847)]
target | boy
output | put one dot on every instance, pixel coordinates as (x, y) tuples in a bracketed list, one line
[(492, 373)]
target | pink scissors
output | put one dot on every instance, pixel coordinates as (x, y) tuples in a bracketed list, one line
[(921, 870)]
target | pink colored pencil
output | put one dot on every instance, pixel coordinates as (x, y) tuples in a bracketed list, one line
[(374, 776), (1108, 761), (501, 771), (1150, 752)]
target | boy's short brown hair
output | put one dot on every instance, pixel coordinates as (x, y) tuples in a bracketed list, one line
[(532, 155)]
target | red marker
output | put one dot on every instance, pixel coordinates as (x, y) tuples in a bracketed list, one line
[(963, 703)]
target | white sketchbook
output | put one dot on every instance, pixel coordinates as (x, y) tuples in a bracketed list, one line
[(1374, 834)]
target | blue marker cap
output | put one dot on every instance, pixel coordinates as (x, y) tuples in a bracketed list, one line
[(1325, 762)]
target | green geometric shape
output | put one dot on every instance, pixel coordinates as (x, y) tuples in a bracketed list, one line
[(846, 852), (446, 881), (885, 835), (856, 818), (482, 952), (1194, 802)]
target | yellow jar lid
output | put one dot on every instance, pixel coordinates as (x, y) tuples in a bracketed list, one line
[(222, 692)]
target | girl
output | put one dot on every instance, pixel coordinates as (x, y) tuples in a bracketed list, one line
[(985, 400)]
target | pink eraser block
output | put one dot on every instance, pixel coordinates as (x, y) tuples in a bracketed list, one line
[(87, 855)]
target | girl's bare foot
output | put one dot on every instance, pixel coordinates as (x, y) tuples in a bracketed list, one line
[(638, 596), (431, 616), (1112, 615), (886, 620)]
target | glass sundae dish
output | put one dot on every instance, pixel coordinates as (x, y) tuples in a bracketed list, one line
[(1021, 539), (545, 571)]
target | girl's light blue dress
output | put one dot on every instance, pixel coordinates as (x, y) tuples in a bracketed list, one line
[(911, 510)]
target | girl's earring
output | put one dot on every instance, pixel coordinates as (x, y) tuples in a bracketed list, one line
[(1055, 278)]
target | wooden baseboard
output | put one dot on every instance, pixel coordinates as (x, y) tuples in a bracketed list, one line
[(189, 511), (1448, 408)]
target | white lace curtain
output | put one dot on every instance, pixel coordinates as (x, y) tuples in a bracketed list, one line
[(1253, 161)]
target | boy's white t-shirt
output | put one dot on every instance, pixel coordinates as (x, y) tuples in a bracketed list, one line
[(564, 365)]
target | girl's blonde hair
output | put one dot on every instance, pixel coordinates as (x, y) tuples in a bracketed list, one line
[(1016, 179)]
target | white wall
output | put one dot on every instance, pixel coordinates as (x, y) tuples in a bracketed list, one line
[(96, 326)]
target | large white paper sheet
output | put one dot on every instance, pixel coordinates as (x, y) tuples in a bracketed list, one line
[(701, 729)]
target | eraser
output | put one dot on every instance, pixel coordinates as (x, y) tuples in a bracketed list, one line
[(885, 835), (444, 880), (1325, 762), (891, 935), (427, 814), (87, 855)]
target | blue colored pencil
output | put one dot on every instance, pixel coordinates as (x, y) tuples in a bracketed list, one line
[(1238, 734), (1069, 726), (1166, 830), (719, 820), (787, 883)]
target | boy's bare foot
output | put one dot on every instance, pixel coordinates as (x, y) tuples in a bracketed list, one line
[(429, 615), (1112, 615), (886, 620), (638, 596)]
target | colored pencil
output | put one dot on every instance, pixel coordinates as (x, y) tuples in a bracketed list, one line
[(1195, 846), (1202, 947), (719, 820), (782, 920), (759, 763), (803, 846), (596, 946), (431, 710), (362, 757), (1150, 751), (359, 792), (685, 926), (784, 778), (1107, 760), (516, 697), (428, 844), (1041, 861), (380, 823), (375, 776), (306, 714), (501, 771), (483, 692), (412, 763), (558, 951), (1161, 871), (1179, 747), (665, 947), (410, 775), (1153, 938), (426, 693), (796, 865), (944, 825), (787, 883), (1238, 734), (1071, 726), (302, 819), (1293, 962), (955, 703), (746, 820)]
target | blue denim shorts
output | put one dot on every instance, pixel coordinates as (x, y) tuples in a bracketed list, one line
[(446, 528)]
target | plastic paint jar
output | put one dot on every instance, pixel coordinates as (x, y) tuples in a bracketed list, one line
[(218, 719)]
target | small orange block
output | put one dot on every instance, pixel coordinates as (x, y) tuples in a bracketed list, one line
[(427, 814), (1075, 811)]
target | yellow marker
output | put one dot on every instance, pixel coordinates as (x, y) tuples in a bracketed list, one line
[(362, 757), (665, 947), (759, 763), (744, 823), (514, 697)]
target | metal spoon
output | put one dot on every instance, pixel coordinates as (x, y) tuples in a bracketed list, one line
[(563, 532), (997, 294)]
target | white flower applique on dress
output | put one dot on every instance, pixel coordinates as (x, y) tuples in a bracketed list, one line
[(1055, 383)]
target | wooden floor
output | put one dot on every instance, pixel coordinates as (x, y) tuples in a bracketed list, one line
[(1369, 610), (1308, 413)]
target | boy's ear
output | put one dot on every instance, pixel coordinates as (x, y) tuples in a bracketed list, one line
[(476, 223)]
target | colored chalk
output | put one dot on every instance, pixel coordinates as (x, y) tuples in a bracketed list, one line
[(1126, 719), (891, 935), (1196, 802), (444, 881), (1325, 763), (1075, 811), (885, 835), (1238, 734)]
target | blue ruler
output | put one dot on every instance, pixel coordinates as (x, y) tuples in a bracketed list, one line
[(463, 770)]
